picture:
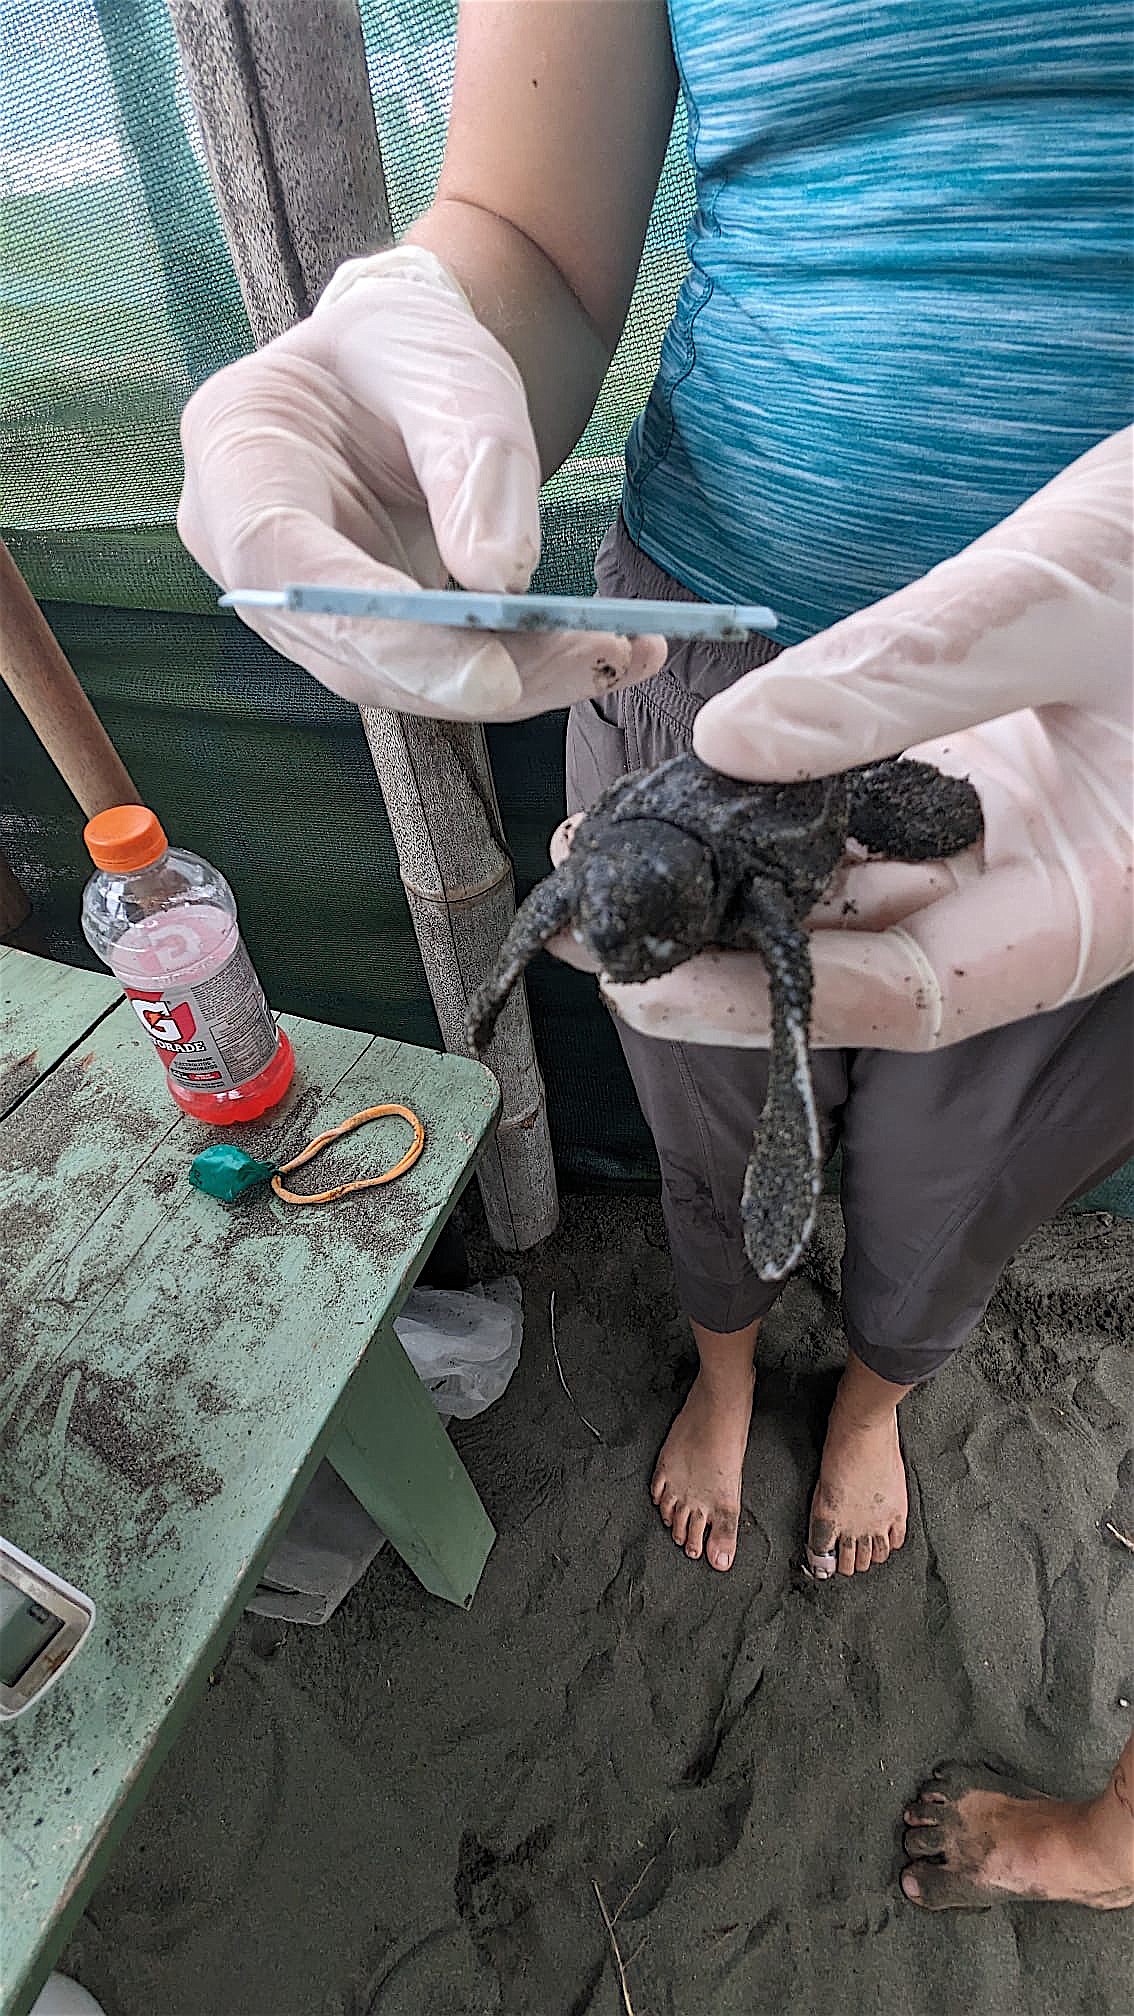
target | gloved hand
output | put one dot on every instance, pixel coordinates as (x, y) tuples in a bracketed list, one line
[(385, 443), (1016, 657)]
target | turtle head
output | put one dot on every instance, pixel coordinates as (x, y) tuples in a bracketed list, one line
[(646, 898)]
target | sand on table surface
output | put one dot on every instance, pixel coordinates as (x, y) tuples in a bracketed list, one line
[(404, 1813)]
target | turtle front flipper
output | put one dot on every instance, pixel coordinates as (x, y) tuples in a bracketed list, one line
[(548, 910), (785, 1169)]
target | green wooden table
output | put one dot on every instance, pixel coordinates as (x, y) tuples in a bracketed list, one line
[(172, 1374)]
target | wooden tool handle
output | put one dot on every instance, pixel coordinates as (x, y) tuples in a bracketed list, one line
[(43, 685)]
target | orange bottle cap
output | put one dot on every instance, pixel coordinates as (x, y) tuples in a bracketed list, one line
[(125, 837)]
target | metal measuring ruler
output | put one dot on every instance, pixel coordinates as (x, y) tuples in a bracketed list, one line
[(455, 609)]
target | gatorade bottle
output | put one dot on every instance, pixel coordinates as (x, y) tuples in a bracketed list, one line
[(165, 924)]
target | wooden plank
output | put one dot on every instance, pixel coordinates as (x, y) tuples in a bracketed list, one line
[(172, 1374), (45, 1010), (93, 1161), (390, 1449), (14, 905)]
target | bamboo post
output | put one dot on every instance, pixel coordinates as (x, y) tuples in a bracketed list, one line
[(459, 922), (43, 685), (282, 94)]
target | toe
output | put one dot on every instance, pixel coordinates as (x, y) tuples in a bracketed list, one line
[(925, 1838), (879, 1550), (819, 1552), (820, 1567), (952, 1780), (932, 1792), (658, 1487), (910, 1880), (897, 1535), (936, 1888), (721, 1550), (846, 1552), (667, 1505), (862, 1554), (925, 1810), (679, 1526), (695, 1535)]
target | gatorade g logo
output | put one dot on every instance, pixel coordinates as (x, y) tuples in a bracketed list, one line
[(169, 1026)]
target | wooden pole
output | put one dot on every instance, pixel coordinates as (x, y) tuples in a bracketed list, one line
[(460, 922), (43, 685), (283, 99)]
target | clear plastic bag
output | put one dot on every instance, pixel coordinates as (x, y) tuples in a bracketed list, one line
[(61, 1996), (463, 1343)]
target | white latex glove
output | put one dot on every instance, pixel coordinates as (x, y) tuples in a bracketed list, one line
[(385, 443), (1031, 624)]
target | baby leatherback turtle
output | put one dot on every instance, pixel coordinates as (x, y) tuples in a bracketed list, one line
[(680, 859)]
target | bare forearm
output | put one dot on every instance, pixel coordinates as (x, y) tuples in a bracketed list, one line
[(558, 130), (520, 295)]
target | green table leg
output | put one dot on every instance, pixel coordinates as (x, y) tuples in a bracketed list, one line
[(390, 1449)]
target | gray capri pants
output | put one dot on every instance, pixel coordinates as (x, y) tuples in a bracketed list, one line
[(949, 1161)]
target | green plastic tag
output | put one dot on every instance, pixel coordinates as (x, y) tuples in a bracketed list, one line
[(226, 1172)]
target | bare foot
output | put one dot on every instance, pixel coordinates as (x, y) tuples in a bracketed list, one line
[(696, 1485), (973, 1839), (859, 1507)]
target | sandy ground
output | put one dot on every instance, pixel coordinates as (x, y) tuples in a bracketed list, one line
[(405, 1812)]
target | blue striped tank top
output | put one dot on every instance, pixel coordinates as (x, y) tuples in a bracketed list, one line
[(909, 296)]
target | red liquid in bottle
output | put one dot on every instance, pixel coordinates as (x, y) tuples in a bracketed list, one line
[(248, 1101), (165, 923)]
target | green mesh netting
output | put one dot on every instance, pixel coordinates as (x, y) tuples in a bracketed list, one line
[(117, 296)]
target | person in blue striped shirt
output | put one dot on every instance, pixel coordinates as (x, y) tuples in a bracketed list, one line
[(890, 404)]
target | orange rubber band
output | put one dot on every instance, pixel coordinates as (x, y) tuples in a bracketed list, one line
[(362, 1182)]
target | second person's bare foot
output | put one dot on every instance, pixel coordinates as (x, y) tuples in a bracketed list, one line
[(697, 1480), (860, 1504), (973, 1839)]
